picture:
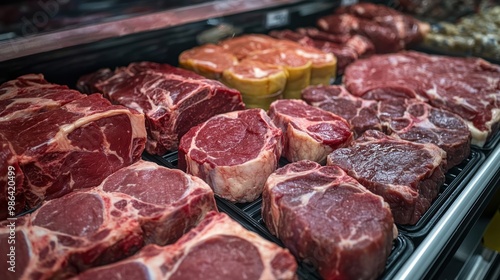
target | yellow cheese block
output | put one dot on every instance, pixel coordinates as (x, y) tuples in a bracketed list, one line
[(208, 60)]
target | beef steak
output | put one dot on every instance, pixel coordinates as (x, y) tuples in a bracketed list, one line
[(407, 175), (408, 119), (327, 218), (309, 132), (139, 204), (64, 140), (172, 99), (233, 152), (218, 248), (468, 87)]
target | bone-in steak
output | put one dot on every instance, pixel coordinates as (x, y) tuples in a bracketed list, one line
[(139, 204), (218, 248), (309, 132), (407, 175), (172, 99), (233, 152), (408, 119), (468, 87), (328, 219)]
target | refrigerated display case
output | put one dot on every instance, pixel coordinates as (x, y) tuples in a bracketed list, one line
[(83, 36)]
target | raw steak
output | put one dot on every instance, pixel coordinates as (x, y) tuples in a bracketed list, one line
[(309, 132), (30, 94), (139, 204), (73, 147), (388, 29), (172, 99), (233, 152), (218, 248), (328, 219), (408, 119), (468, 87), (407, 175), (360, 113)]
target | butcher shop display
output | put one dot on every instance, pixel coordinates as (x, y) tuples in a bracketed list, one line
[(407, 175), (388, 29), (140, 204), (308, 132), (218, 248), (467, 87), (407, 119), (328, 219), (60, 144), (233, 152), (172, 99)]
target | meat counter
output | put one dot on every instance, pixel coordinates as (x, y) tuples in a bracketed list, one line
[(161, 33)]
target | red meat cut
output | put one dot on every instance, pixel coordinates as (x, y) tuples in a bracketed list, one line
[(328, 219), (233, 152), (308, 132), (60, 148), (407, 119), (218, 248), (139, 204), (172, 99), (407, 175), (468, 87)]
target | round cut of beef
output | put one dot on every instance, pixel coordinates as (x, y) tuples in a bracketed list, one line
[(326, 218), (233, 152)]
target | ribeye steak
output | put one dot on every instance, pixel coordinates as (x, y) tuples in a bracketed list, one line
[(233, 152), (327, 218), (218, 248), (407, 175), (468, 87), (172, 99), (139, 204), (309, 132)]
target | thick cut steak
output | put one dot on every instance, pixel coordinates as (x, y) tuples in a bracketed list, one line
[(309, 132), (139, 204), (328, 219), (73, 147), (172, 99), (233, 152), (408, 119), (218, 248), (407, 175), (468, 87)]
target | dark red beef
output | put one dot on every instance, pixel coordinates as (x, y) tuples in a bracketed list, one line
[(218, 248), (326, 218), (407, 175)]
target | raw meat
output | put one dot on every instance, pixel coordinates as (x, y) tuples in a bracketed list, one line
[(309, 132), (74, 146), (360, 113), (407, 175), (408, 119), (468, 87), (328, 219), (139, 204), (233, 152), (218, 248), (242, 46), (388, 29), (208, 60), (12, 198), (172, 99)]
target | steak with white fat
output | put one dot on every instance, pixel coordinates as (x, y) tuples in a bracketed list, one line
[(408, 119), (407, 175), (309, 132), (137, 205), (233, 152), (218, 248), (172, 99), (468, 87), (326, 218)]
